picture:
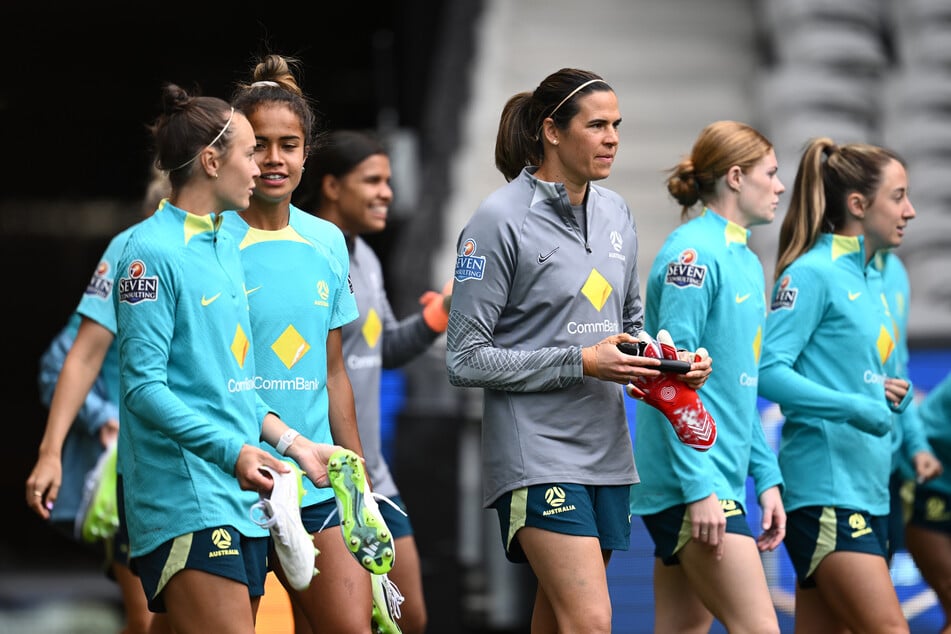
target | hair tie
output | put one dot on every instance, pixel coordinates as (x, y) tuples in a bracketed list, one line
[(213, 141), (258, 84)]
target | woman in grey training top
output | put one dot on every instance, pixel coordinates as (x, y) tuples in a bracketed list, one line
[(545, 287), (348, 183)]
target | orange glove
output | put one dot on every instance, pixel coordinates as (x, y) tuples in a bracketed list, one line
[(436, 307)]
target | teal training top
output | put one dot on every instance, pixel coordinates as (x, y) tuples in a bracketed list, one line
[(298, 292), (706, 288), (935, 414), (187, 379), (908, 437), (828, 339), (97, 305), (81, 447)]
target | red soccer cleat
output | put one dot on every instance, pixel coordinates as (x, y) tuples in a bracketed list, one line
[(676, 400)]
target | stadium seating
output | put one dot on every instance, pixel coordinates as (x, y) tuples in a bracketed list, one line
[(876, 71)]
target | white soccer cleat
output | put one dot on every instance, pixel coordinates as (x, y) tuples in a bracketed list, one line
[(280, 514)]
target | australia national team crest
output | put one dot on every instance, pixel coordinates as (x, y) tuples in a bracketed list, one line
[(137, 287), (785, 295), (617, 243), (685, 271), (100, 285), (469, 266)]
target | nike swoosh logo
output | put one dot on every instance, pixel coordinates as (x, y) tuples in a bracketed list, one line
[(853, 296), (248, 291), (543, 258), (205, 302), (742, 298)]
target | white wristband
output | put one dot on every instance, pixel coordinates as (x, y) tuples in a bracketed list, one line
[(287, 438)]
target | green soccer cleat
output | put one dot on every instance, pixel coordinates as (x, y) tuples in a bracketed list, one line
[(364, 530), (98, 516), (387, 600)]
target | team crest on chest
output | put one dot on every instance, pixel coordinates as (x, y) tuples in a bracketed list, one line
[(323, 293), (617, 243)]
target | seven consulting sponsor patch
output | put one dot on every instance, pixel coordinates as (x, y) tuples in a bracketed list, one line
[(685, 271), (100, 285), (785, 295), (137, 287), (468, 265)]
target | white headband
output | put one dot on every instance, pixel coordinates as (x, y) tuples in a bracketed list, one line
[(562, 102), (213, 141), (573, 93)]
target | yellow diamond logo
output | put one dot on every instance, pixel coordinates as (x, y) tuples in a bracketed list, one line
[(885, 343), (239, 346), (757, 343), (290, 347), (372, 328), (596, 289)]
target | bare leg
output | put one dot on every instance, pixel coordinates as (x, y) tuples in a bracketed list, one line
[(813, 616), (572, 582), (677, 608), (408, 578), (301, 626), (931, 551), (733, 589), (339, 598), (199, 603), (275, 612), (855, 593), (139, 619)]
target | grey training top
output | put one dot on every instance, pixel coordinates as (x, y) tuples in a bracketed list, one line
[(373, 341), (531, 289)]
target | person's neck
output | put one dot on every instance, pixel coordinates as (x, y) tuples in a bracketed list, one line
[(331, 213), (729, 212), (196, 201), (267, 217), (576, 191)]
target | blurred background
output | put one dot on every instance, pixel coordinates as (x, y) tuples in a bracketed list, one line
[(431, 77)]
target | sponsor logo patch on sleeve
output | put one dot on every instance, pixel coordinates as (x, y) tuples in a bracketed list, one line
[(100, 284), (685, 271), (468, 265), (138, 287), (784, 296)]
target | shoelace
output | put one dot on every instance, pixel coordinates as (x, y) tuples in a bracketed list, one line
[(394, 598), (373, 496), (270, 518)]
